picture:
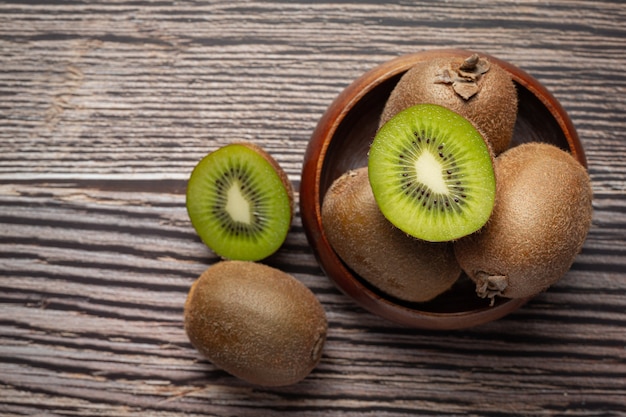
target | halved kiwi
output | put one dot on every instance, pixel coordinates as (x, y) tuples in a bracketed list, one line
[(432, 173), (240, 202)]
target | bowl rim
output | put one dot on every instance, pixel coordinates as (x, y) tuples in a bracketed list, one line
[(311, 199)]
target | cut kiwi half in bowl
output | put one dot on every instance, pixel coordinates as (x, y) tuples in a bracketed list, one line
[(341, 142)]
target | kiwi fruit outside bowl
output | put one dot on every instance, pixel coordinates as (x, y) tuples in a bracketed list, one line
[(341, 142), (256, 322), (240, 202)]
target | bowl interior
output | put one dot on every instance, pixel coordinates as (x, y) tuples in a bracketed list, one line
[(341, 142)]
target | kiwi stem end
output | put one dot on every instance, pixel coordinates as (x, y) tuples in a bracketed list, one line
[(464, 79), (490, 286)]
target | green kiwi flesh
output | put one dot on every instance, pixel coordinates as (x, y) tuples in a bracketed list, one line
[(479, 90), (431, 173), (387, 258), (255, 322), (541, 218), (240, 202)]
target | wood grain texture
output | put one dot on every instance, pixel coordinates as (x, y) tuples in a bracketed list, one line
[(107, 106)]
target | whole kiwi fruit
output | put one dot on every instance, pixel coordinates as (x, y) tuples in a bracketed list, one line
[(477, 89), (541, 217), (387, 258), (255, 322)]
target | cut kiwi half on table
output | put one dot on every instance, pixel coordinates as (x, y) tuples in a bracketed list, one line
[(432, 173), (240, 202)]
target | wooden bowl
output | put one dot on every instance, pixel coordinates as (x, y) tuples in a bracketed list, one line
[(341, 141)]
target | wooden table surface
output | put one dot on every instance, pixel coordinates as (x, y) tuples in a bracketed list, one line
[(107, 106)]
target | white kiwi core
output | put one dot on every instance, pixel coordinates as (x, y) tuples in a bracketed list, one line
[(429, 172), (237, 206)]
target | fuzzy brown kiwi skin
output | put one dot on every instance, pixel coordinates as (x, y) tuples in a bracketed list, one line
[(541, 218), (255, 322), (387, 258), (279, 170), (492, 108)]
